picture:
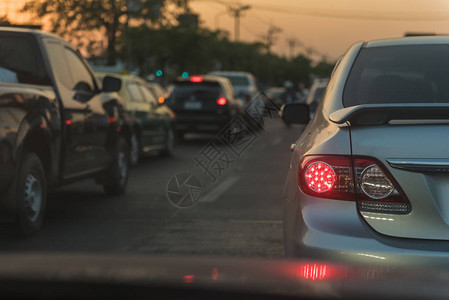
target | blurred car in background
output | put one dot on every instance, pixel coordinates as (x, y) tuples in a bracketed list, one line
[(153, 123), (316, 94), (203, 104), (244, 83), (245, 86), (277, 94), (158, 91)]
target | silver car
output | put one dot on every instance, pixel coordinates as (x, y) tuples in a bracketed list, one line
[(369, 176)]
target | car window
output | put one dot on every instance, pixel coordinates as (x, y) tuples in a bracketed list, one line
[(205, 90), (80, 74), (399, 74), (134, 92), (147, 95), (59, 64), (236, 80), (20, 61)]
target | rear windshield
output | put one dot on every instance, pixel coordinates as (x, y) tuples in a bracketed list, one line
[(203, 90), (237, 80), (399, 74), (20, 61)]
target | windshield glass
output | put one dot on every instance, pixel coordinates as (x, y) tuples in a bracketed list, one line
[(399, 74), (237, 80), (289, 133), (202, 91)]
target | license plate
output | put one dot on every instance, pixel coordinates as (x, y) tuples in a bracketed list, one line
[(193, 105)]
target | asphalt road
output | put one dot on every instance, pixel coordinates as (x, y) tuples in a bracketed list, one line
[(238, 215)]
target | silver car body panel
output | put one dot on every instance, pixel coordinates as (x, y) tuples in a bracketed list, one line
[(328, 228)]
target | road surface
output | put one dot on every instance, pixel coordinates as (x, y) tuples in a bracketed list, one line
[(238, 215)]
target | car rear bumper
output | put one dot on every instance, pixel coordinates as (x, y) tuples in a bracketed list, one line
[(334, 230)]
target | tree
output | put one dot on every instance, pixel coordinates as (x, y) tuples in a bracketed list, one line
[(74, 19)]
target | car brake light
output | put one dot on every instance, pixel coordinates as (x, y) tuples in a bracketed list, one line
[(314, 180), (196, 79), (320, 177), (372, 186), (222, 101)]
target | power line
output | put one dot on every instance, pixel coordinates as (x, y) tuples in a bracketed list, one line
[(349, 14)]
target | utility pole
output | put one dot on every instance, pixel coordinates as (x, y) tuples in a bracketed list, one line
[(271, 37), (236, 13)]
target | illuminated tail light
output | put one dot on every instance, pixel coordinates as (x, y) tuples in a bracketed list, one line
[(361, 179), (222, 101), (314, 180), (196, 79)]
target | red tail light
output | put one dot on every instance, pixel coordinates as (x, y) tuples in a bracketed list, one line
[(196, 79), (361, 179), (222, 101), (339, 185)]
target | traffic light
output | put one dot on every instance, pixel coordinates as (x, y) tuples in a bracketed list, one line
[(185, 75), (159, 73)]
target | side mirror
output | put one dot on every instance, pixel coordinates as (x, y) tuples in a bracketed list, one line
[(111, 84), (295, 113)]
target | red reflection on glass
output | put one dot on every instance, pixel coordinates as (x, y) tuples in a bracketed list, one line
[(41, 126), (111, 120), (189, 278), (314, 272), (214, 274)]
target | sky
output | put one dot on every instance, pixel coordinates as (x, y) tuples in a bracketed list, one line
[(327, 26)]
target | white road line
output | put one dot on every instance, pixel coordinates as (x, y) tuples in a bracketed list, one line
[(276, 141), (220, 189), (257, 221)]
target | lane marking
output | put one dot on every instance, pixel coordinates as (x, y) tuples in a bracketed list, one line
[(220, 189), (257, 221)]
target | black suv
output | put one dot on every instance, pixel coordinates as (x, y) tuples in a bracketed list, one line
[(57, 125), (203, 103)]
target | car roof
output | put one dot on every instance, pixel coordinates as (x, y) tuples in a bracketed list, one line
[(406, 41), (240, 73), (29, 30)]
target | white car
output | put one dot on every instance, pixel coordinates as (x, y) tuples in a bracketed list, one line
[(245, 86), (369, 177)]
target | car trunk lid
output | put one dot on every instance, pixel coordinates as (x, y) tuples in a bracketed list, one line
[(410, 140)]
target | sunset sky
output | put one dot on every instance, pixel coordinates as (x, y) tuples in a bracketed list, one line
[(327, 26)]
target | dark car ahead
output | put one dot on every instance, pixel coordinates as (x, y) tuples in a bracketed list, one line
[(203, 104), (152, 122)]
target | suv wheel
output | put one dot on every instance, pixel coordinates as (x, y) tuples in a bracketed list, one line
[(116, 176), (31, 194), (170, 144), (135, 150)]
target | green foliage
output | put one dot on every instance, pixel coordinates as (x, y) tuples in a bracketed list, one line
[(178, 50), (72, 19)]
